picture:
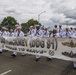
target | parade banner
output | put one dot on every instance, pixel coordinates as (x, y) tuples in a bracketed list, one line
[(61, 48)]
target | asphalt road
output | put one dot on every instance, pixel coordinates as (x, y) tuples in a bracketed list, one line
[(28, 66)]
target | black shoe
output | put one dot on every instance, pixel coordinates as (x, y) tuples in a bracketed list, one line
[(49, 59), (0, 52), (75, 68), (13, 55), (37, 59)]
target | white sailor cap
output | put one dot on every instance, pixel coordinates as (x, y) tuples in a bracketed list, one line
[(37, 25), (19, 27), (31, 26), (4, 28), (16, 25)]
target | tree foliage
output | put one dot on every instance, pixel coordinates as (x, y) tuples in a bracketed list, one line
[(9, 22), (31, 22)]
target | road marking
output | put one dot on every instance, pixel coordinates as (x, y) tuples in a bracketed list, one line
[(6, 72)]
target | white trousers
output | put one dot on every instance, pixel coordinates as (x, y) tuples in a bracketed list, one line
[(0, 50), (15, 53), (38, 56), (74, 63)]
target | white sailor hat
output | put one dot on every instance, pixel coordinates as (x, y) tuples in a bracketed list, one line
[(31, 26), (19, 27), (16, 25), (37, 25), (4, 28)]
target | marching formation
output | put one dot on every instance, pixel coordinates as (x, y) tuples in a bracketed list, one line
[(39, 31)]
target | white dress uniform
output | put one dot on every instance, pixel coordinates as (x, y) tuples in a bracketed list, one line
[(18, 34), (4, 33), (46, 34), (60, 32), (11, 34), (38, 33), (8, 33), (31, 33), (15, 31), (66, 34)]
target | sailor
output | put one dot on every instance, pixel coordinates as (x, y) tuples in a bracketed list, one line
[(42, 29), (31, 31), (55, 33), (38, 33), (3, 33), (34, 27), (16, 28), (60, 30), (46, 32), (7, 32), (66, 33), (56, 28), (19, 25), (11, 34), (19, 33)]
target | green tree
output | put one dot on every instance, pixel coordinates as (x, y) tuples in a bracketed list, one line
[(32, 22), (25, 26), (9, 22)]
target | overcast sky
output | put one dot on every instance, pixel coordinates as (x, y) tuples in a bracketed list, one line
[(57, 11)]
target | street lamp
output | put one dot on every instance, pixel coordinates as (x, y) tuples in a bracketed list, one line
[(40, 15)]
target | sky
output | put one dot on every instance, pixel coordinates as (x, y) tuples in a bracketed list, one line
[(60, 12)]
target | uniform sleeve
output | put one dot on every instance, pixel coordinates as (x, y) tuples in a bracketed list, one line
[(22, 34), (41, 33)]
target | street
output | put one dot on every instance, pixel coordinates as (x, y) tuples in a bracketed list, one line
[(28, 66)]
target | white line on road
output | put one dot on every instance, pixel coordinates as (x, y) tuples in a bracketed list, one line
[(6, 72)]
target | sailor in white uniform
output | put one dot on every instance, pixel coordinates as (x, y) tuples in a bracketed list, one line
[(66, 33), (3, 33), (38, 33), (46, 32), (15, 31), (19, 33), (56, 28), (31, 31), (11, 33), (60, 31), (71, 31), (42, 29), (55, 33), (7, 32)]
